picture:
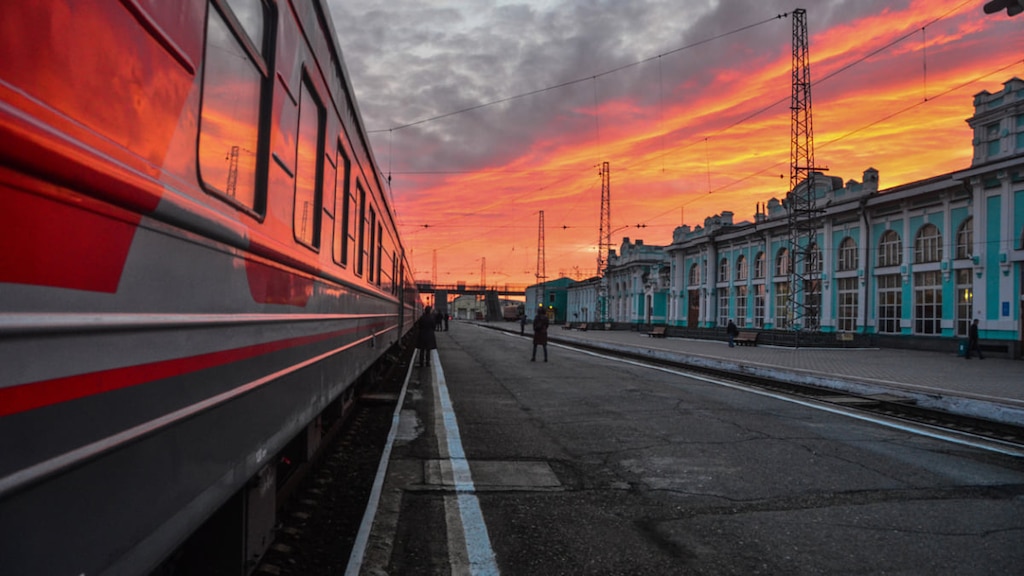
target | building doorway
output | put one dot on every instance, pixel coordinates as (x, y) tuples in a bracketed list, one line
[(693, 309)]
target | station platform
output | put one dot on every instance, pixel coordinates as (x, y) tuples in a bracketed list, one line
[(992, 388), (538, 497)]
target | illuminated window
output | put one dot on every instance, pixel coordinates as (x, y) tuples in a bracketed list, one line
[(964, 300), (723, 270), (235, 76), (306, 216), (890, 249)]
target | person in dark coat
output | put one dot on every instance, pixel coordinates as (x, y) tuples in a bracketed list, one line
[(732, 331), (972, 341), (540, 334), (425, 339), (522, 324)]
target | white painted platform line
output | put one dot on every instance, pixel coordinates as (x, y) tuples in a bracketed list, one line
[(478, 543)]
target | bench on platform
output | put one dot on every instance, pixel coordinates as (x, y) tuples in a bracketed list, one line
[(657, 332), (746, 339), (582, 327), (567, 326)]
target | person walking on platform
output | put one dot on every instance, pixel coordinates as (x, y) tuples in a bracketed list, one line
[(732, 331), (972, 341), (425, 339), (540, 334)]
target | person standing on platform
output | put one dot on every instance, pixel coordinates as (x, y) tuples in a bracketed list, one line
[(732, 331), (540, 333), (522, 324), (446, 317), (972, 341), (425, 339)]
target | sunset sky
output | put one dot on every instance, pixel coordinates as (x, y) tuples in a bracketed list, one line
[(486, 113)]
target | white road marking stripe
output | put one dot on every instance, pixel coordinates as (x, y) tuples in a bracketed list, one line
[(934, 432), (474, 529)]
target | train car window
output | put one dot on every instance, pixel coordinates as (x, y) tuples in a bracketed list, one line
[(306, 216), (380, 252), (234, 78), (372, 246), (361, 255), (342, 212), (250, 15)]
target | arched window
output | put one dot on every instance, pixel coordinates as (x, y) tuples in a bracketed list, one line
[(759, 265), (928, 244), (723, 270), (741, 269), (782, 263), (965, 240), (694, 275), (848, 257), (890, 249)]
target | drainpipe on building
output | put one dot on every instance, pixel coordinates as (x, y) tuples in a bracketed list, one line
[(866, 267)]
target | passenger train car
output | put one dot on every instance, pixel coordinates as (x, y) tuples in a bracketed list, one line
[(197, 259)]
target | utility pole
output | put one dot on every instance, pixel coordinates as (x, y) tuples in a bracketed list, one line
[(541, 273), (804, 262), (433, 273), (232, 171), (483, 273), (604, 239)]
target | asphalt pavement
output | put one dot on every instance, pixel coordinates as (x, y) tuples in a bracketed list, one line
[(992, 388)]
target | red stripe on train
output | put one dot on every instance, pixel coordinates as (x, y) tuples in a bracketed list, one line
[(25, 397), (75, 243)]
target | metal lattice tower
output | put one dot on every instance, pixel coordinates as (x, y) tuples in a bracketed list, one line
[(804, 261), (542, 275), (433, 270), (232, 171), (604, 239)]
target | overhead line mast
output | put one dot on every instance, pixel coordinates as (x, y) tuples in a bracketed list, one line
[(604, 238), (542, 275), (804, 301)]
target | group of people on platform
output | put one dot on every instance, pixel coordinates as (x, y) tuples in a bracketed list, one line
[(432, 321)]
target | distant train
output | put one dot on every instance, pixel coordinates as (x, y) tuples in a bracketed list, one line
[(511, 312), (198, 260)]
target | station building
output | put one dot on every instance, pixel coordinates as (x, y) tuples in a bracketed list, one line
[(908, 266)]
